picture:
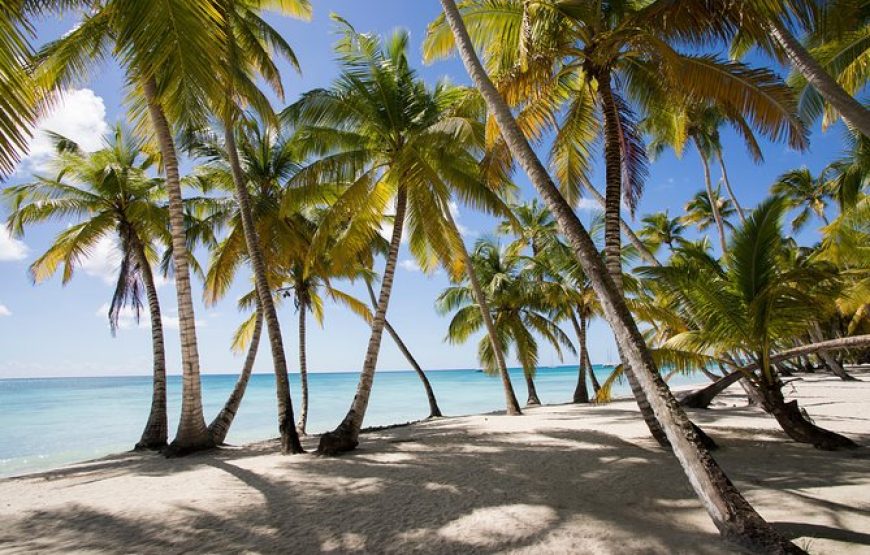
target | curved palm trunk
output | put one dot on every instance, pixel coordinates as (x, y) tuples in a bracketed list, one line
[(303, 370), (192, 434), (581, 392), (793, 421), (512, 407), (626, 229), (596, 386), (533, 399), (156, 431), (850, 109), (434, 410), (728, 186), (830, 361), (732, 514), (714, 205), (346, 436), (289, 437), (613, 239), (220, 426)]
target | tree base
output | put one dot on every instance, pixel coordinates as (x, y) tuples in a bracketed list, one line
[(533, 402), (155, 445), (795, 424), (176, 449), (334, 443)]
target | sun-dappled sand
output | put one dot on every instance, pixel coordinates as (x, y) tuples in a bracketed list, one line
[(568, 478)]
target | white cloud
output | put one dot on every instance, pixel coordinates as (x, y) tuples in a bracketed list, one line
[(589, 205), (10, 247), (79, 115), (410, 265), (103, 260), (5, 311)]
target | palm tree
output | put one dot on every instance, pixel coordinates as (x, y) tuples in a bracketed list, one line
[(536, 226), (848, 177), (752, 304), (111, 194), (660, 229), (803, 192), (699, 211), (167, 50), (383, 131), (732, 514), (518, 309), (576, 54), (249, 46)]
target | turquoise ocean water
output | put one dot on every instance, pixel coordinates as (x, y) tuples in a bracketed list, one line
[(48, 422)]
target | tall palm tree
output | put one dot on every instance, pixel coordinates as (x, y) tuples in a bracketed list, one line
[(578, 52), (699, 211), (751, 305), (111, 194), (167, 50), (383, 131), (250, 41), (660, 229), (733, 515), (519, 311), (804, 193)]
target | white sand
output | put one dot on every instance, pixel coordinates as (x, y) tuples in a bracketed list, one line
[(561, 479)]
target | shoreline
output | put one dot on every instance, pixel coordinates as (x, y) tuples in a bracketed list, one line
[(562, 478)]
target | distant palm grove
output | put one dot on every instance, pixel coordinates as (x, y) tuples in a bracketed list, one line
[(324, 190)]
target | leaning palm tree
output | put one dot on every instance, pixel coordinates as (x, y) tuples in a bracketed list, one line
[(578, 54), (167, 50), (751, 305), (250, 41), (733, 515), (519, 311), (383, 131), (114, 198)]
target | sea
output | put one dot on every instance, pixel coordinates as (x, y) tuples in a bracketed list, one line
[(49, 422)]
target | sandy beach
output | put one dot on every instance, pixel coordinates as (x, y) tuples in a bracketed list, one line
[(581, 479)]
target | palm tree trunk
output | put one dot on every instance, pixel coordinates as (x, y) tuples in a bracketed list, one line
[(192, 434), (303, 370), (220, 426), (156, 431), (346, 436), (512, 406), (434, 410), (714, 200), (850, 109), (732, 514), (728, 186), (829, 359), (612, 236), (286, 426), (581, 392), (596, 386), (533, 399), (626, 229)]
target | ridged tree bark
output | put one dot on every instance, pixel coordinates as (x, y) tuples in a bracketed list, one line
[(303, 369), (220, 426), (856, 115), (596, 386), (512, 407), (434, 410), (156, 432), (192, 434), (346, 436), (286, 425), (581, 392), (732, 514), (613, 236), (728, 188), (714, 205), (626, 229), (533, 399)]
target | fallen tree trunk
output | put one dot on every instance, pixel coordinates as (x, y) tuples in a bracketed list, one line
[(701, 398)]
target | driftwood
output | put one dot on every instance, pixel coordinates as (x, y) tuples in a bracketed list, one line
[(701, 398)]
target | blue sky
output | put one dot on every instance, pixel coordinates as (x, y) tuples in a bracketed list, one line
[(50, 330)]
